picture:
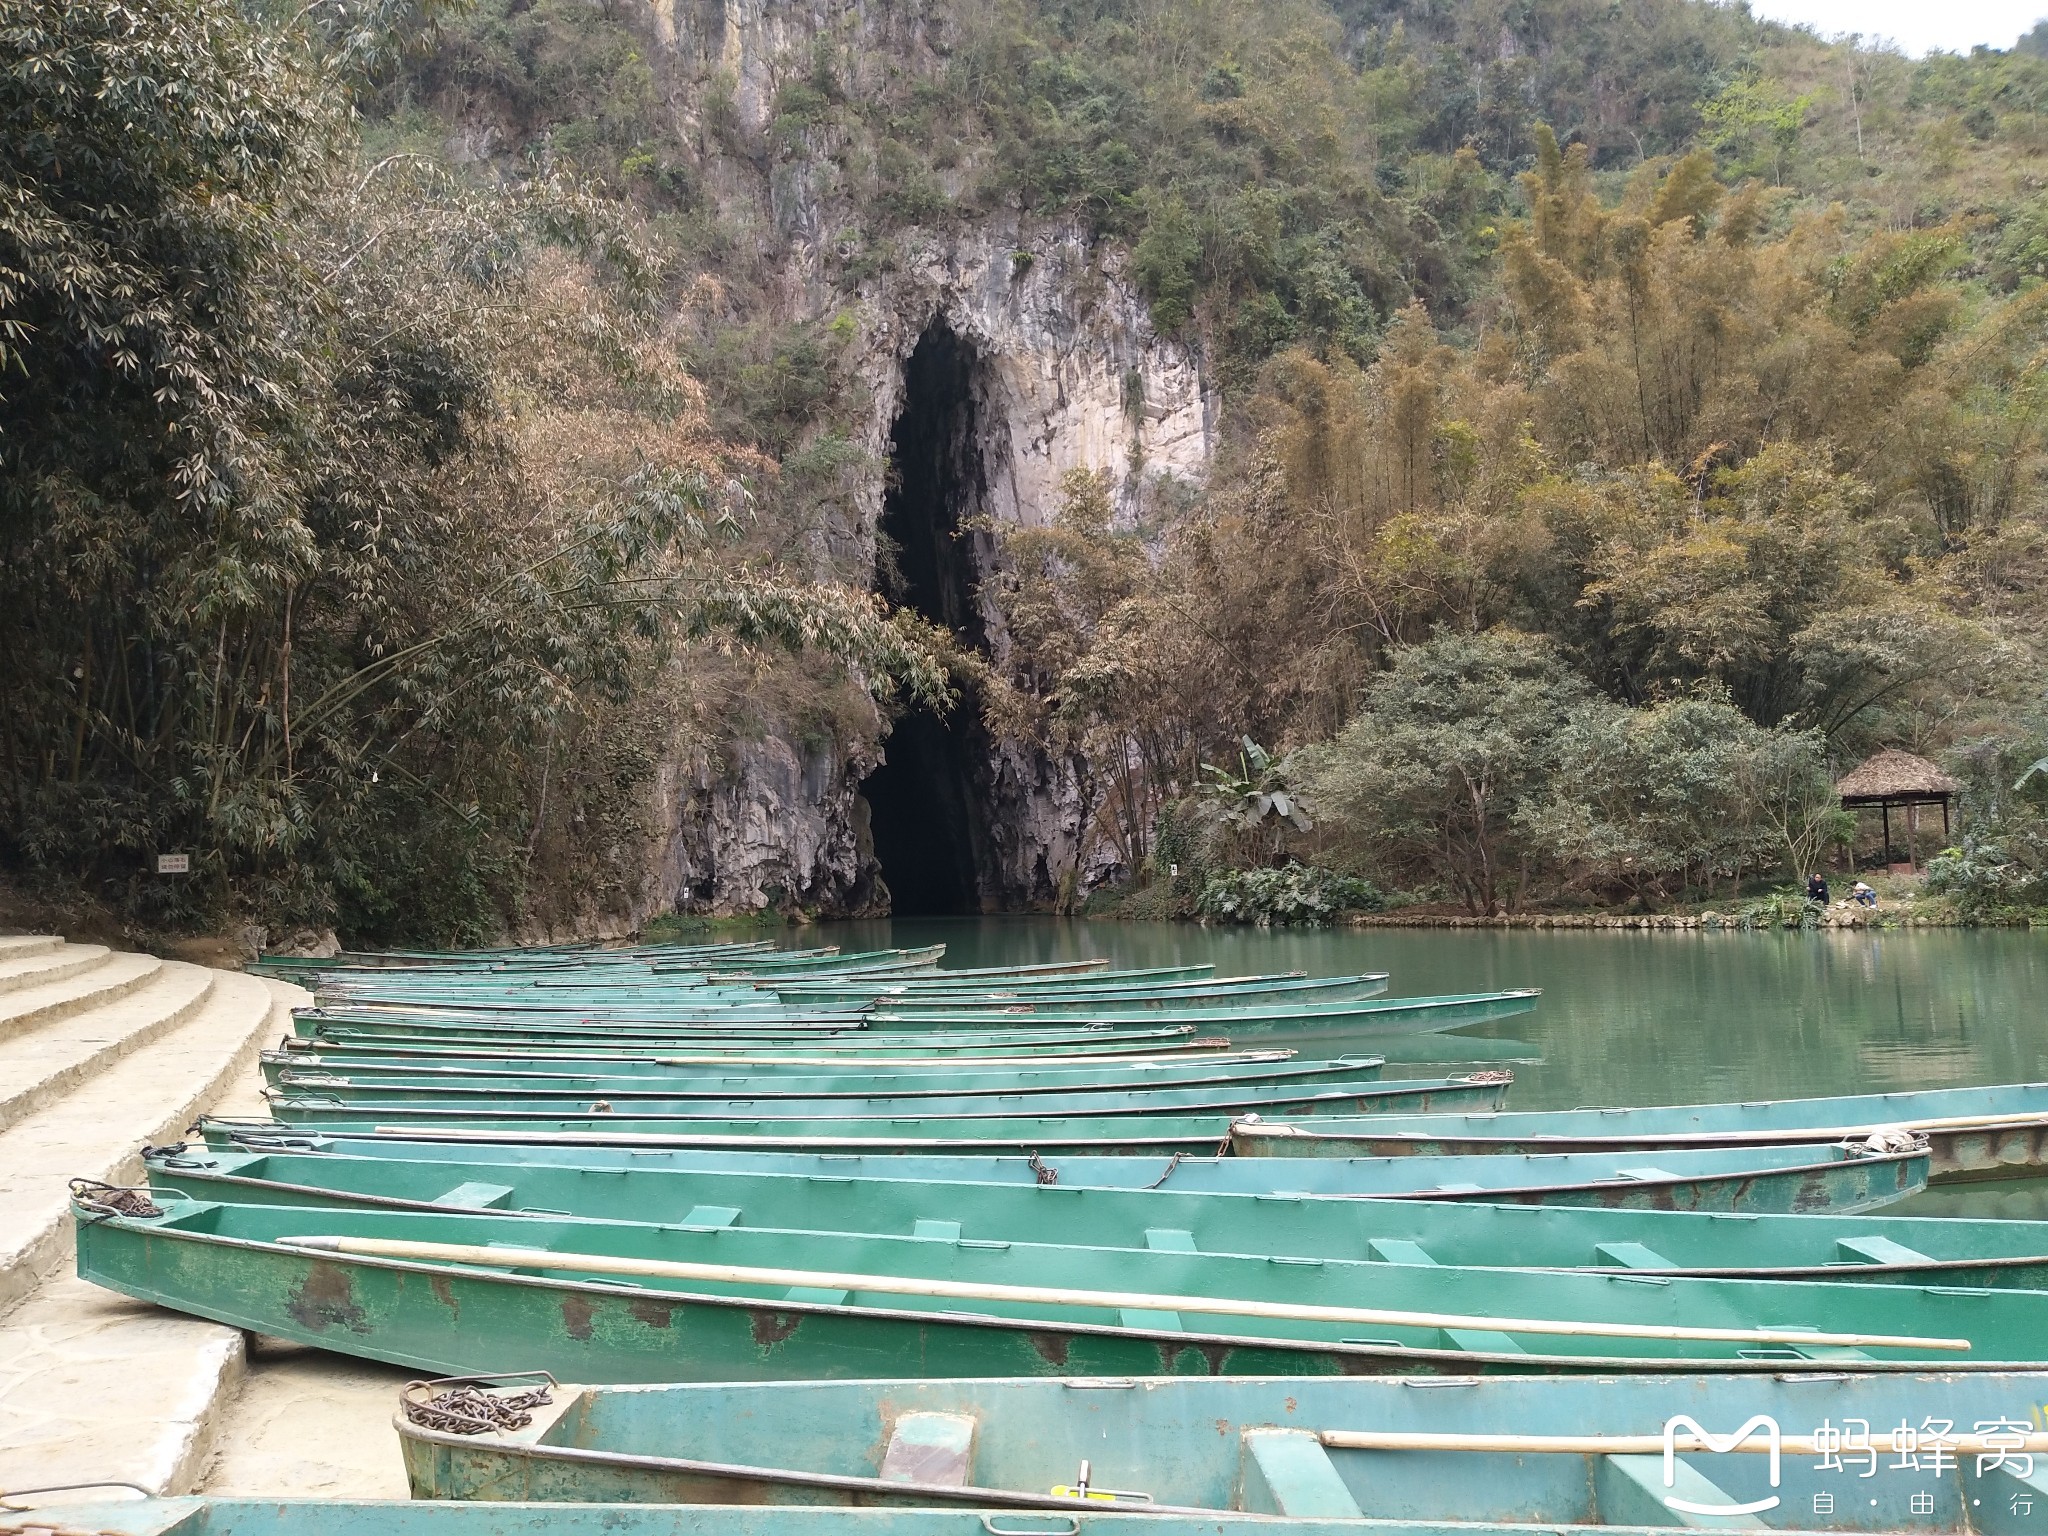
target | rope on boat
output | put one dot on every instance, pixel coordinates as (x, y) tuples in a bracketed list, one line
[(113, 1199)]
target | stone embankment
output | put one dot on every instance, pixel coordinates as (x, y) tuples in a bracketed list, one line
[(101, 1052), (1833, 918)]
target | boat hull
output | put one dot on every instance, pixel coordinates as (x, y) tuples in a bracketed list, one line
[(1996, 1132), (1209, 1444), (228, 1263), (1755, 1183)]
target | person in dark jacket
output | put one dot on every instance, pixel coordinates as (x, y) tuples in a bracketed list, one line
[(1817, 889)]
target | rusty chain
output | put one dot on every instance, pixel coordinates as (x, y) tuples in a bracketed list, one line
[(472, 1409)]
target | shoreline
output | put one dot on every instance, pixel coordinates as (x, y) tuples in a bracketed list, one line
[(1713, 922)]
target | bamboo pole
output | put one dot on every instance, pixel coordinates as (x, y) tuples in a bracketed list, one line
[(1057, 1296), (1783, 1136), (1637, 1445)]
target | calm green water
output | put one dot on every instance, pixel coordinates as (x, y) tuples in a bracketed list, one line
[(1634, 1018), (1627, 1018)]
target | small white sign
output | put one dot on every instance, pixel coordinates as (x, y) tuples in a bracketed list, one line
[(174, 863)]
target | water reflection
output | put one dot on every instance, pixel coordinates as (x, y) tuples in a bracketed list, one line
[(1626, 1017)]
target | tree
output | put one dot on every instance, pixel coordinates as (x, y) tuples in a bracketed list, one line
[(1437, 774), (299, 574), (1651, 802)]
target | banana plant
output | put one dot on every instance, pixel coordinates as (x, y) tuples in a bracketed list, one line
[(1256, 795)]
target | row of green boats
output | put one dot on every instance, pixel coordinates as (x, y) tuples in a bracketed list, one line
[(758, 1239)]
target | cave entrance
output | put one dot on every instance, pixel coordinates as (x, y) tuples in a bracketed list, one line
[(926, 801)]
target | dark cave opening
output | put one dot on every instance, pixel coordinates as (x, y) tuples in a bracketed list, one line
[(925, 803)]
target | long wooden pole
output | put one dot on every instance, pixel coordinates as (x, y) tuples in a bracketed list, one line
[(1636, 1445), (1055, 1296), (1791, 1135)]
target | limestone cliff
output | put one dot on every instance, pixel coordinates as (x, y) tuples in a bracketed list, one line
[(1055, 366)]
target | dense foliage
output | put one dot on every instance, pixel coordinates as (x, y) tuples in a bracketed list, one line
[(339, 501), (1631, 415)]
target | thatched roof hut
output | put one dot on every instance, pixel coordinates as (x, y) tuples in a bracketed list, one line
[(1894, 778), (1897, 777)]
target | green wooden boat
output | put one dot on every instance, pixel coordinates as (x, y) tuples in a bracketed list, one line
[(1756, 1179), (1351, 1020), (950, 980), (1529, 1450), (732, 1034), (1976, 1133), (1105, 997), (1161, 1118), (591, 1018), (1924, 1250), (215, 1515), (1173, 1042), (604, 1010), (1083, 1090), (304, 1068), (617, 1301), (667, 1078)]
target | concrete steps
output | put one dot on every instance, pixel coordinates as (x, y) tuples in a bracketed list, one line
[(41, 1065), (114, 1051), (14, 946), (109, 977), (19, 971)]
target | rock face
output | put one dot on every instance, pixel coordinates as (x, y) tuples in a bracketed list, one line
[(1065, 372), (776, 828)]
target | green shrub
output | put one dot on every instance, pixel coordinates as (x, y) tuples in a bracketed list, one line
[(1780, 909), (1292, 893)]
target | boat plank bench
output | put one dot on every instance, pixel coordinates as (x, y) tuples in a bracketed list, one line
[(476, 1196), (1880, 1250), (1632, 1256), (711, 1218), (931, 1448), (1287, 1472), (1632, 1491)]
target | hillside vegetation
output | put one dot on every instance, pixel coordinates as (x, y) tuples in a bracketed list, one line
[(1632, 415)]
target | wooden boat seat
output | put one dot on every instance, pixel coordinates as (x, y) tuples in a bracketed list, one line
[(711, 1218), (1287, 1472), (1399, 1250), (936, 1448), (823, 1295), (476, 1196), (1485, 1341), (1159, 1240), (944, 1231), (1631, 1256), (1880, 1250), (1631, 1492)]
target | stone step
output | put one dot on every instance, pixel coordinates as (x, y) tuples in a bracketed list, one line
[(94, 1385), (20, 971), (113, 976), (38, 1066), (15, 946), (96, 1131)]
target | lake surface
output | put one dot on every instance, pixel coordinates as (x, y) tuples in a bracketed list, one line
[(1630, 1017)]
